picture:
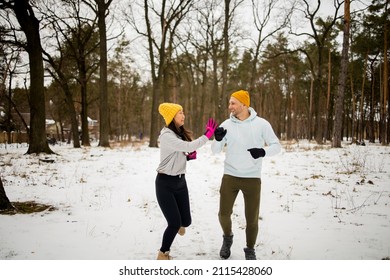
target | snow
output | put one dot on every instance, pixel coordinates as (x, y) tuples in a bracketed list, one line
[(317, 203)]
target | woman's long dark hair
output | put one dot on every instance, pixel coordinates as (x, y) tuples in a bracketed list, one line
[(182, 132)]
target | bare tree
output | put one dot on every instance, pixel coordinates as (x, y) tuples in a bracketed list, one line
[(101, 11), (321, 33), (160, 42), (229, 13), (63, 80), (8, 70), (30, 26), (202, 45), (385, 116), (339, 112), (268, 20), (212, 23), (79, 42), (74, 32), (57, 67)]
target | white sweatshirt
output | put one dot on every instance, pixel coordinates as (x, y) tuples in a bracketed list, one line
[(173, 159), (254, 132)]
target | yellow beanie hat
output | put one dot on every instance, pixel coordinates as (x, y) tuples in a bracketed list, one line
[(168, 111), (242, 96)]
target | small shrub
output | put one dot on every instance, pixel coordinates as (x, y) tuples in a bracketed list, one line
[(27, 207)]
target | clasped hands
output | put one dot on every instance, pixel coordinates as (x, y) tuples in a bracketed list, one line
[(211, 125)]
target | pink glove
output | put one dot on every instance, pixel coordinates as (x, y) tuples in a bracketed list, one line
[(191, 155), (211, 126)]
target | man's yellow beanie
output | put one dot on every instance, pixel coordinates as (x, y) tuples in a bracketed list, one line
[(168, 111), (242, 96)]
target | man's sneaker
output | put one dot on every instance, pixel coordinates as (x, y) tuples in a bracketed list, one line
[(250, 254), (224, 253)]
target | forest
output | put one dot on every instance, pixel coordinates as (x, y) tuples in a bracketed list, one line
[(86, 70)]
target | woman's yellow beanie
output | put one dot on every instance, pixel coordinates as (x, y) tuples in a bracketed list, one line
[(242, 96), (168, 111)]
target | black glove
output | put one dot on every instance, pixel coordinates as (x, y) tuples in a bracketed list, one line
[(257, 152), (219, 133)]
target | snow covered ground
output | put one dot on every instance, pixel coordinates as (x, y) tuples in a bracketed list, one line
[(317, 203)]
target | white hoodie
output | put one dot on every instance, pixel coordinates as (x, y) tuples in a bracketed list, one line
[(254, 132)]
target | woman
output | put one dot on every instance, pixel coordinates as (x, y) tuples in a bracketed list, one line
[(176, 148)]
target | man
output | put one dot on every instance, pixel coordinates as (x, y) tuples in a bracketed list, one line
[(248, 138)]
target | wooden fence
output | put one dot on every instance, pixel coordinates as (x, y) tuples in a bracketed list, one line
[(16, 137)]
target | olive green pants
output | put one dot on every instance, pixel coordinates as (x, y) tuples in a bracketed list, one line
[(250, 188)]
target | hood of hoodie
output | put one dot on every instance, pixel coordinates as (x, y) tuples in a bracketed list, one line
[(165, 130), (252, 115)]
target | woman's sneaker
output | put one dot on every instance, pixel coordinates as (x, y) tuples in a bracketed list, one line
[(224, 253), (163, 256), (182, 231), (250, 253)]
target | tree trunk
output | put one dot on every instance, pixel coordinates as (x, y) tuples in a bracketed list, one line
[(354, 120), (318, 110), (103, 123), (337, 130), (84, 105), (30, 26), (310, 120), (328, 111), (215, 95), (73, 117), (5, 204), (155, 80), (371, 136), (153, 125), (385, 79), (361, 109), (225, 61)]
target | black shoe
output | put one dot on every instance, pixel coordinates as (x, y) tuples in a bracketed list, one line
[(250, 253), (224, 253)]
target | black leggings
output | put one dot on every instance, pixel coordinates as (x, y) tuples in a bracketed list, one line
[(172, 196)]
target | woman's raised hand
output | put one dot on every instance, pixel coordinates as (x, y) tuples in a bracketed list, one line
[(211, 125)]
